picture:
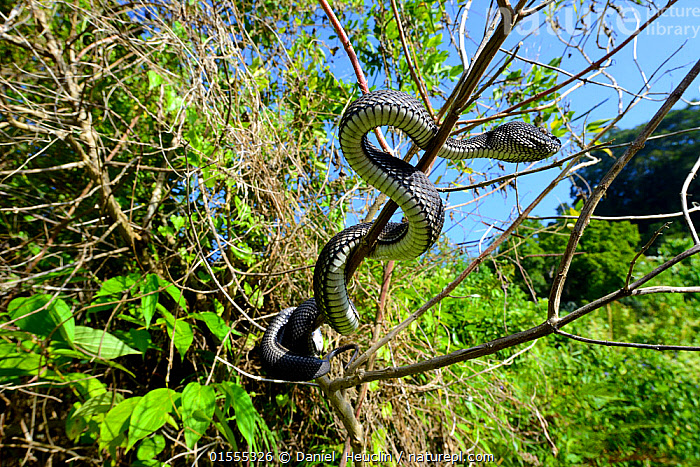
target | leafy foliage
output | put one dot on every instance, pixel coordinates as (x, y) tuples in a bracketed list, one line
[(168, 176)]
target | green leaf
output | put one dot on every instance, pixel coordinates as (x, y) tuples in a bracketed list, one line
[(173, 102), (182, 336), (74, 426), (180, 30), (101, 343), (151, 413), (115, 286), (221, 423), (198, 403), (514, 75), (99, 404), (391, 31), (555, 61), (82, 417), (595, 126), (244, 253), (154, 79), (255, 297), (86, 385), (151, 447), (215, 323), (15, 363), (42, 314), (243, 211), (113, 427), (174, 292), (178, 222), (139, 338), (434, 41), (149, 300), (246, 415), (387, 410)]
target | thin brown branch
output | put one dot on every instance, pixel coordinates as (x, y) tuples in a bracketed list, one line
[(537, 8), (361, 80), (345, 412), (634, 345), (642, 251), (548, 327), (596, 196), (407, 55)]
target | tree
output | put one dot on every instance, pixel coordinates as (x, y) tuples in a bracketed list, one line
[(650, 184)]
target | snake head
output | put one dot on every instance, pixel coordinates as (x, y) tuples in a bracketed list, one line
[(523, 142), (551, 141)]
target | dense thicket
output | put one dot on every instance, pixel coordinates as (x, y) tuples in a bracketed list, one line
[(168, 175)]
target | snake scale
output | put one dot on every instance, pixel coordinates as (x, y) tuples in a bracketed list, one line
[(291, 345)]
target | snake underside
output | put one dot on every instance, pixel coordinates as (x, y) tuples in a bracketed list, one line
[(290, 344)]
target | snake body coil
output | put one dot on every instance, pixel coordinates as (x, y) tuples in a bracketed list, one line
[(290, 343)]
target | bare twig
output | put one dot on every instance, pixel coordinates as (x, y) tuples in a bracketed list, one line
[(624, 218), (684, 200), (407, 55), (589, 207), (642, 251), (659, 347)]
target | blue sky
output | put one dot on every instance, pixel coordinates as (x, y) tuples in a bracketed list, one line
[(665, 51)]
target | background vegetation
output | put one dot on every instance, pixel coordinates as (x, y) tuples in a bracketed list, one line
[(168, 176)]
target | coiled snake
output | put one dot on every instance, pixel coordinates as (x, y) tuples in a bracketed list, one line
[(290, 344)]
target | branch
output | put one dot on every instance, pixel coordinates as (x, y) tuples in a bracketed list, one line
[(445, 360), (593, 66), (548, 327), (345, 412), (596, 196), (624, 218), (628, 344), (642, 251), (465, 87), (416, 78), (623, 292), (537, 8), (361, 80), (684, 200)]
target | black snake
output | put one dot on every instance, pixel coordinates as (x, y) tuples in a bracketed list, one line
[(291, 342)]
